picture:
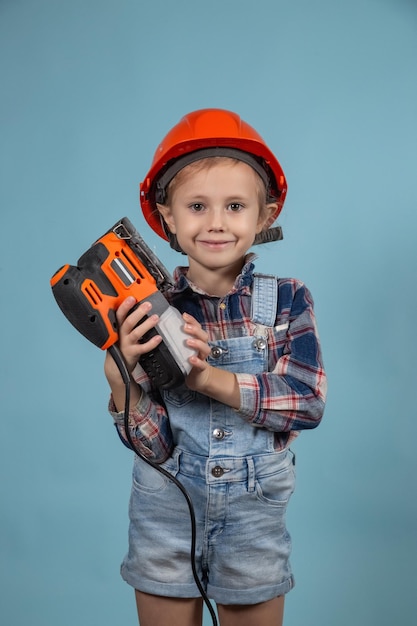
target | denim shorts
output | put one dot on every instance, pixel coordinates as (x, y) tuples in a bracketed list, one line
[(242, 544)]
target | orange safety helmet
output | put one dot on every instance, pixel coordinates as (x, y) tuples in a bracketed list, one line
[(203, 133)]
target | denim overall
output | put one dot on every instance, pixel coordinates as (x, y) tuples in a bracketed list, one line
[(210, 428), (238, 483)]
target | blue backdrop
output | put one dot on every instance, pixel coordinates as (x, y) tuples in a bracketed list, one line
[(88, 88)]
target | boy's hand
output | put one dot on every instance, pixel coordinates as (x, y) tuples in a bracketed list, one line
[(200, 372), (130, 333), (204, 378)]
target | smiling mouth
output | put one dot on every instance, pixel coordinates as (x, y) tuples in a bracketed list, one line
[(214, 244)]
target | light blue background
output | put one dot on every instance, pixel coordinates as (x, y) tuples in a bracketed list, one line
[(88, 88)]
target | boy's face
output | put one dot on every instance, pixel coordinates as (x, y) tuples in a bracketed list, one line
[(215, 214)]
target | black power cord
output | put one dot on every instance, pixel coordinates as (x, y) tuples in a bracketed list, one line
[(119, 360)]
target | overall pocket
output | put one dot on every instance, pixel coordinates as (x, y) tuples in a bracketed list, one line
[(146, 478), (275, 486), (180, 396)]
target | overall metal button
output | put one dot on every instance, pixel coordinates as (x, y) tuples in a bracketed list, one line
[(216, 352), (260, 343), (217, 471), (218, 433)]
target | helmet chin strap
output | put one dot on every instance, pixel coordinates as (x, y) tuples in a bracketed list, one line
[(269, 235), (265, 236), (173, 242)]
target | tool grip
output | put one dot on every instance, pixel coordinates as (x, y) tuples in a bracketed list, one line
[(80, 299)]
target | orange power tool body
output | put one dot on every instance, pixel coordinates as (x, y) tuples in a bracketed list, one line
[(116, 266)]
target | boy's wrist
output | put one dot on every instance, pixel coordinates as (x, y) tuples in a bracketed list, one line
[(222, 385)]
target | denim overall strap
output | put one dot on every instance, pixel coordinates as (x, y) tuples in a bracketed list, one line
[(264, 299)]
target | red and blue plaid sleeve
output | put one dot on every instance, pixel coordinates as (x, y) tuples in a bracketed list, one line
[(148, 424), (291, 395)]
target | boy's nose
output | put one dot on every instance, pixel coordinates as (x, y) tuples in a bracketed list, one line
[(216, 219)]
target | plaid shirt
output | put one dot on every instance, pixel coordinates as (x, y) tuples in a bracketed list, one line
[(287, 398)]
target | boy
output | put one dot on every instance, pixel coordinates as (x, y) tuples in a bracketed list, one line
[(257, 379)]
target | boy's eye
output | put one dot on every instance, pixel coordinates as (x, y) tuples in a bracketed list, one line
[(235, 206), (197, 207)]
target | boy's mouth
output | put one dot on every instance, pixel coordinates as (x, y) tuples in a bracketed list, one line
[(215, 244)]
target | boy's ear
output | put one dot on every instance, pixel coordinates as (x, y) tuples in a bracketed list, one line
[(265, 216), (167, 216)]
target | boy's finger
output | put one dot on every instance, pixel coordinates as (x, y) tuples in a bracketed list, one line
[(125, 309)]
